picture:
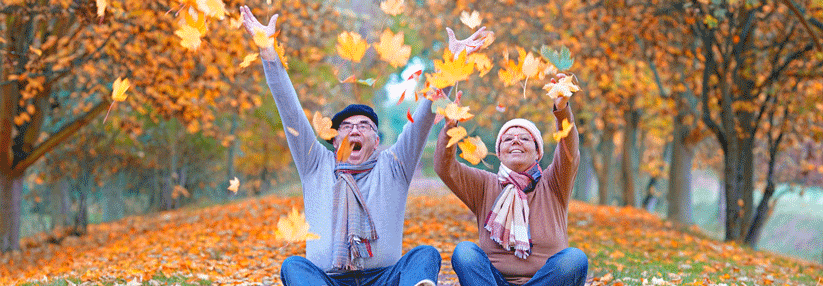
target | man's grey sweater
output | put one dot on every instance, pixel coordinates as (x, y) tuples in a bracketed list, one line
[(385, 188)]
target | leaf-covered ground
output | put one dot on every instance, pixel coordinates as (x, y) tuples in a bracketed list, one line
[(235, 244)]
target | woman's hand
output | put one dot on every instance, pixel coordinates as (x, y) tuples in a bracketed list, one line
[(252, 25), (470, 44), (561, 101)]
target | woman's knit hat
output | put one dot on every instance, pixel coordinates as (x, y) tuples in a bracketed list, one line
[(525, 124)]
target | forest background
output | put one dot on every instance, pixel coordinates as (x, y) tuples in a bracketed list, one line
[(705, 113)]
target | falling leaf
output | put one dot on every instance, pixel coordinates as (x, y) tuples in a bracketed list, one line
[(392, 50), (344, 150), (511, 72), (293, 131), (488, 39), (473, 150), (402, 97), (351, 46), (562, 59), (530, 64), (455, 112), (178, 191), (248, 60), (455, 135), (212, 8), (101, 7), (565, 87), (564, 131), (470, 19), (294, 228), (322, 125), (409, 115), (234, 184), (189, 37), (236, 22), (481, 62), (261, 40), (350, 79), (415, 75), (393, 7), (367, 82), (119, 88), (450, 69)]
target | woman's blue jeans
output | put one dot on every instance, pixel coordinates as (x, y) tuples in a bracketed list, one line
[(472, 265), (420, 263)]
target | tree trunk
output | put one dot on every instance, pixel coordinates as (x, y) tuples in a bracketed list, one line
[(10, 190), (746, 185), (583, 183), (731, 185), (113, 198), (602, 165), (680, 175), (629, 157)]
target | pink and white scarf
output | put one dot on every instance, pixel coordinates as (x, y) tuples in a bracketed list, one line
[(508, 221)]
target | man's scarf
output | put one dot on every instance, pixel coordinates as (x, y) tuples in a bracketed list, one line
[(508, 221), (353, 224)]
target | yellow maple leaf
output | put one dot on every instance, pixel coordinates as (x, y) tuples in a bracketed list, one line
[(322, 125), (101, 7), (473, 149), (455, 134), (119, 88), (261, 40), (564, 87), (351, 46), (564, 131), (212, 8), (194, 18), (481, 62), (344, 150), (236, 22), (234, 184), (470, 19), (450, 69), (392, 50), (455, 112), (281, 53), (393, 7), (293, 228), (189, 37), (530, 64), (248, 60), (511, 72)]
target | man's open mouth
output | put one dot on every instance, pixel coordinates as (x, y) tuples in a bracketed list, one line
[(356, 146)]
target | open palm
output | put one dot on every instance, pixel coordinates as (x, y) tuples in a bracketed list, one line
[(470, 44), (252, 24)]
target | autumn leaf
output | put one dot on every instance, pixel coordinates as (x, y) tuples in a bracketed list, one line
[(367, 82), (402, 97), (470, 19), (511, 72), (212, 8), (450, 69), (392, 50), (234, 184), (293, 131), (473, 150), (189, 37), (294, 228), (415, 75), (101, 7), (236, 22), (351, 46), (248, 60), (566, 127), (261, 40), (119, 88), (322, 125), (564, 87), (455, 112), (344, 150), (409, 115), (561, 59), (481, 62), (530, 64), (455, 135), (393, 7)]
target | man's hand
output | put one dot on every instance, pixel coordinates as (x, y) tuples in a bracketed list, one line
[(470, 44), (252, 25)]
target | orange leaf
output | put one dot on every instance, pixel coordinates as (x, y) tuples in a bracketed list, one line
[(450, 70), (415, 75), (392, 50), (248, 60), (262, 40), (530, 64), (351, 46), (234, 184), (119, 88), (392, 7), (189, 37), (409, 116), (101, 7), (455, 112), (402, 97), (322, 125), (344, 150), (293, 228), (473, 149), (565, 87), (455, 135), (481, 62), (562, 133)]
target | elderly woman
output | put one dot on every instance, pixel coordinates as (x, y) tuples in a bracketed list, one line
[(521, 211)]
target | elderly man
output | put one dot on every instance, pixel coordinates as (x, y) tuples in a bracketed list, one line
[(521, 210), (357, 206)]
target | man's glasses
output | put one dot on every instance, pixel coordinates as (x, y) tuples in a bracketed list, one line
[(362, 126)]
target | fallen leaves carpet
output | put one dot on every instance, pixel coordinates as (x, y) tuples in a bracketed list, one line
[(235, 244)]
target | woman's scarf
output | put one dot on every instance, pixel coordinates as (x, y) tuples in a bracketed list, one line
[(352, 221), (508, 221)]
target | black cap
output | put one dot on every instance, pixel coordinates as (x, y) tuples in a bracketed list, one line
[(352, 110)]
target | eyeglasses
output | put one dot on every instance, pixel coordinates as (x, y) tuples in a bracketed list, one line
[(520, 137), (362, 126)]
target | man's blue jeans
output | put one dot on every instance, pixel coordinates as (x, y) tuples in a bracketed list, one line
[(420, 263), (472, 265)]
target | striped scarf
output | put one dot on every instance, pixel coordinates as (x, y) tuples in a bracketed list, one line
[(353, 225), (508, 221)]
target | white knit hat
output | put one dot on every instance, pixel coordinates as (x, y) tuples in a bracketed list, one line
[(526, 124)]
